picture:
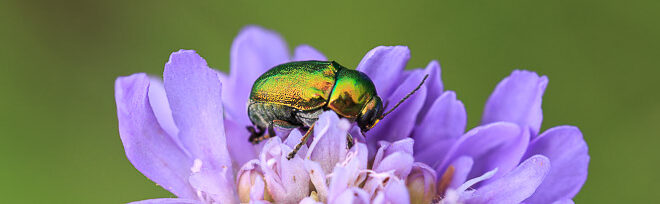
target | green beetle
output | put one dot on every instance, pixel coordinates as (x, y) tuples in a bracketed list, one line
[(293, 95)]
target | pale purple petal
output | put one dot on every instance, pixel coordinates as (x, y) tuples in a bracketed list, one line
[(240, 148), (387, 148), (253, 52), (257, 192), (161, 108), (462, 167), (434, 88), (306, 52), (148, 147), (214, 184), (565, 201), (497, 145), (515, 186), (318, 178), (347, 173), (259, 202), (194, 93), (400, 123), (286, 180), (383, 65), (400, 162), (342, 178), (167, 201), (357, 134), (444, 123), (329, 145), (379, 198), (352, 195), (404, 145), (396, 192), (293, 139), (376, 182), (568, 152), (517, 99), (309, 200)]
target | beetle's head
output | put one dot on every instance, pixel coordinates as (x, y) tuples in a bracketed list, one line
[(370, 114)]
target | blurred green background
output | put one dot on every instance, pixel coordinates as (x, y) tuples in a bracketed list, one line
[(59, 59)]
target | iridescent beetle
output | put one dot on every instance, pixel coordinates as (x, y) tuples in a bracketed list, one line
[(293, 95)]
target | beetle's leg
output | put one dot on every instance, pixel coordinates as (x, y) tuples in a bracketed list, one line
[(257, 136), (303, 140), (349, 141), (261, 135)]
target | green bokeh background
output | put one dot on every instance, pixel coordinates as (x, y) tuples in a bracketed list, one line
[(59, 59)]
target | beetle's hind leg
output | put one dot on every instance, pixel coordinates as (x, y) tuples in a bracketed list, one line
[(303, 140)]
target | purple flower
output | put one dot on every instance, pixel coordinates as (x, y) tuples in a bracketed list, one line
[(187, 134)]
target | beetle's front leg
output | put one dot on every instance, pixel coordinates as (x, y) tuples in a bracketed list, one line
[(257, 135)]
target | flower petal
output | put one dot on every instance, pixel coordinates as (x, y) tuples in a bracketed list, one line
[(517, 99), (444, 123), (565, 201), (293, 139), (400, 123), (400, 162), (329, 145), (568, 152), (306, 52), (396, 192), (167, 201), (387, 148), (434, 87), (383, 65), (309, 200), (317, 176), (286, 180), (516, 185), (254, 51), (462, 167), (395, 158), (194, 93), (148, 147), (497, 145), (240, 148), (215, 184), (342, 178), (161, 108), (353, 195)]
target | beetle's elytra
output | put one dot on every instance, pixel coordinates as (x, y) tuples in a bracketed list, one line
[(293, 95)]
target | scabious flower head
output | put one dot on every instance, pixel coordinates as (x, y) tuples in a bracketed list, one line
[(187, 134)]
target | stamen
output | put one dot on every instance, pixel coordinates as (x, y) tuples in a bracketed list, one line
[(446, 180)]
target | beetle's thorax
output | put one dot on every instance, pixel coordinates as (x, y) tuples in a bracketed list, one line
[(352, 91)]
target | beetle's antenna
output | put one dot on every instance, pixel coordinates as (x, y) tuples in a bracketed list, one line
[(404, 98)]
